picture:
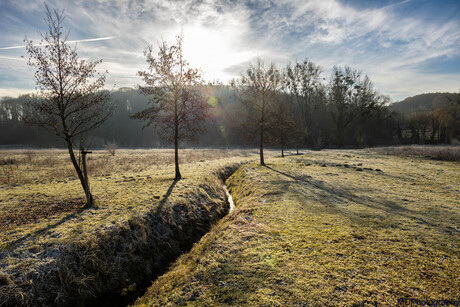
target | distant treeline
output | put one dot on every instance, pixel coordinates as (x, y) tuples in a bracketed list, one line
[(431, 118), (434, 120)]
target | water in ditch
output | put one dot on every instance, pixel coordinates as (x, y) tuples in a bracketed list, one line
[(229, 199)]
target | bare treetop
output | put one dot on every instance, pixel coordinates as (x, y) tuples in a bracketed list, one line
[(173, 87), (73, 103), (169, 68)]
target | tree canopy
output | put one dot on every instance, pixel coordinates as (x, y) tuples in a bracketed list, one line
[(176, 108)]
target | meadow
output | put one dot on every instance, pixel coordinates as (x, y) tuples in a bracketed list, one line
[(43, 183), (329, 228), (53, 252)]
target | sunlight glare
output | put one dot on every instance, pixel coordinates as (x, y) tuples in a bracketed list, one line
[(212, 51)]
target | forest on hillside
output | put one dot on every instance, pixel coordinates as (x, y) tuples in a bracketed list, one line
[(424, 119)]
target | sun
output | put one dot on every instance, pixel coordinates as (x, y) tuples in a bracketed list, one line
[(213, 50)]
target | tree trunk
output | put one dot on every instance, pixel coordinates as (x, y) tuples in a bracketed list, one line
[(282, 150), (176, 159), (340, 134), (89, 197), (176, 143), (83, 177), (297, 149), (262, 162)]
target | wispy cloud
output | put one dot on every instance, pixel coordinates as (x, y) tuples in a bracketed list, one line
[(387, 42), (68, 42), (380, 41), (11, 58), (383, 8)]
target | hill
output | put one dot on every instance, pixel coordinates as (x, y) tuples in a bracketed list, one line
[(423, 103)]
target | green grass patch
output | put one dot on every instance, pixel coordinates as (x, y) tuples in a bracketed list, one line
[(330, 228)]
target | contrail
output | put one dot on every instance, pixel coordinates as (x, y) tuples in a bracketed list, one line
[(11, 58), (68, 42), (388, 6)]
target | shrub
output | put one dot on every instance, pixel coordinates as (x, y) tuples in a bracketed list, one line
[(111, 147)]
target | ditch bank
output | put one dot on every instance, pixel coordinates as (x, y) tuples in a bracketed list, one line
[(117, 264)]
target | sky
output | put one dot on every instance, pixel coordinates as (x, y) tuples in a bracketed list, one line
[(406, 47)]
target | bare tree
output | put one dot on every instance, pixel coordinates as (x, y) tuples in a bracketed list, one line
[(73, 103), (453, 107), (260, 85), (351, 97), (281, 123), (344, 93), (177, 107), (303, 83)]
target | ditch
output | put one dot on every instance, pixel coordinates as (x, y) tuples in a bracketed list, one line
[(131, 295)]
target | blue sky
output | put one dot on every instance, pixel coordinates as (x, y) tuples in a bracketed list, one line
[(407, 47)]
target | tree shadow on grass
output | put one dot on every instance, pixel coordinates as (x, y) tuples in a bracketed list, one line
[(42, 231), (334, 196), (69, 217), (166, 196)]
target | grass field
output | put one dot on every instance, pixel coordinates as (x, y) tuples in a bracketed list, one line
[(435, 152), (43, 183), (329, 228), (52, 251)]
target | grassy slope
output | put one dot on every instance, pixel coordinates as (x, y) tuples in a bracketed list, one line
[(327, 229), (72, 254)]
